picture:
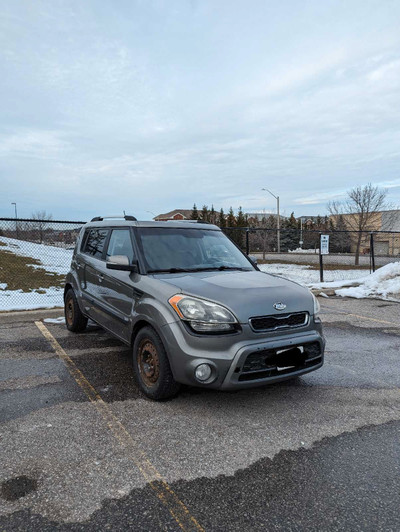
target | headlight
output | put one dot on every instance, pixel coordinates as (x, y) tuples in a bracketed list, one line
[(203, 316), (317, 306)]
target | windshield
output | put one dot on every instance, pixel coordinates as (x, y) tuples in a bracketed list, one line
[(178, 250)]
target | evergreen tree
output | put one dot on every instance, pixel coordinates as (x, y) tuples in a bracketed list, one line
[(213, 216), (239, 235), (240, 219), (195, 213), (231, 220), (271, 222), (290, 235), (204, 213), (221, 219)]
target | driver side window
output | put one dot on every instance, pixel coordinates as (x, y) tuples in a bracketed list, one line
[(120, 243)]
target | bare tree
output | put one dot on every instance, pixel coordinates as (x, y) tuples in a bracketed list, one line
[(41, 222), (360, 210)]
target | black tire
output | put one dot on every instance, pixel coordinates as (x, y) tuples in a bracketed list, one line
[(74, 319), (152, 370)]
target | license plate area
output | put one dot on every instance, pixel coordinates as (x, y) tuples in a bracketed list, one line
[(269, 362)]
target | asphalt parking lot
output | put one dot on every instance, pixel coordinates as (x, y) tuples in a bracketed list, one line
[(81, 449)]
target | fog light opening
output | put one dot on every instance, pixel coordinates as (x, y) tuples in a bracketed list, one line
[(203, 372)]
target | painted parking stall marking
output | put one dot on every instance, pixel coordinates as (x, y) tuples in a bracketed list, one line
[(163, 491), (361, 317)]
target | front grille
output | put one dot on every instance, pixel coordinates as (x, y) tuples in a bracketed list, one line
[(279, 321)]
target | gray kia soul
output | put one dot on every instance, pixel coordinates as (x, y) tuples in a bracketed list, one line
[(194, 308)]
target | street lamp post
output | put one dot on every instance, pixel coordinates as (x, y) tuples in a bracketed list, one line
[(278, 220), (16, 217)]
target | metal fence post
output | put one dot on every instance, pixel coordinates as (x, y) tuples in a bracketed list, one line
[(321, 263), (247, 242), (372, 251)]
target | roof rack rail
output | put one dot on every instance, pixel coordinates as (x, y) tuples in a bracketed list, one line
[(127, 217)]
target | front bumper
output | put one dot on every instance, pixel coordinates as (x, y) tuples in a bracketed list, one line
[(229, 355), (272, 364)]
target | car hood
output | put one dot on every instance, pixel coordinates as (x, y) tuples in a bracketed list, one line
[(245, 293)]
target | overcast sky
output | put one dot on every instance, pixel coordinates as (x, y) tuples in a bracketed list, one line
[(153, 105)]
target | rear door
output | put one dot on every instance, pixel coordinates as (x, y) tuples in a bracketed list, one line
[(93, 267)]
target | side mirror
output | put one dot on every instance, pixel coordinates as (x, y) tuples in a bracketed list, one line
[(253, 259), (121, 262)]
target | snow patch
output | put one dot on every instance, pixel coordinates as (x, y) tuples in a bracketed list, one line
[(304, 275), (61, 319), (52, 259), (384, 283), (301, 250)]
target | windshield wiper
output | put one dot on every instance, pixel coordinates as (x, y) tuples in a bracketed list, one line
[(170, 270), (221, 268), (188, 270), (178, 270)]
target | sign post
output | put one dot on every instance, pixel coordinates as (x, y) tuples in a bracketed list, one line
[(323, 250)]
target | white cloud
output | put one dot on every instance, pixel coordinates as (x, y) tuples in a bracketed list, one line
[(38, 144)]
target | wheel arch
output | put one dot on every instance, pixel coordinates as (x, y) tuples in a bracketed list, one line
[(67, 287), (141, 324)]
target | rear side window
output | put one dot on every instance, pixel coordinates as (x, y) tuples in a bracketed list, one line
[(94, 242), (120, 243)]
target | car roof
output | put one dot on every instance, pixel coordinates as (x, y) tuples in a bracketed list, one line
[(166, 225)]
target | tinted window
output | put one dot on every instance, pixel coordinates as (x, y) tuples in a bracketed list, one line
[(190, 249), (120, 244), (94, 243)]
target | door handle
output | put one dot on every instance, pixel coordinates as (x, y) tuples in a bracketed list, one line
[(100, 277)]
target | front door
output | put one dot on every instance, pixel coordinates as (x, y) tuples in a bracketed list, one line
[(118, 293)]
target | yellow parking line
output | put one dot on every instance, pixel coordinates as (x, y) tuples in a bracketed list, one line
[(164, 492), (363, 317)]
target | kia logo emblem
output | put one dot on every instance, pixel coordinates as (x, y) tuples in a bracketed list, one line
[(279, 306)]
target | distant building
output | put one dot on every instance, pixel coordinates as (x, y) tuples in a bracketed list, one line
[(176, 214), (384, 243), (310, 220)]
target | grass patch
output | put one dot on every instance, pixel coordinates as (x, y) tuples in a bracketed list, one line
[(315, 265), (20, 274)]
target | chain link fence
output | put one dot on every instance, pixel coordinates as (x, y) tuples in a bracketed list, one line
[(352, 254), (35, 256)]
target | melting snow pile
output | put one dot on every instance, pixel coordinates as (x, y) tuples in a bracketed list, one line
[(301, 250), (306, 275), (385, 283)]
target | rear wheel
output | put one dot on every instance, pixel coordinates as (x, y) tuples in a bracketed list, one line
[(74, 319), (152, 369)]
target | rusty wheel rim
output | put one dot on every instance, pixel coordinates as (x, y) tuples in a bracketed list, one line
[(69, 311), (148, 362)]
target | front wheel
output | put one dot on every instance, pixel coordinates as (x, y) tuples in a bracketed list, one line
[(74, 319), (152, 369)]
